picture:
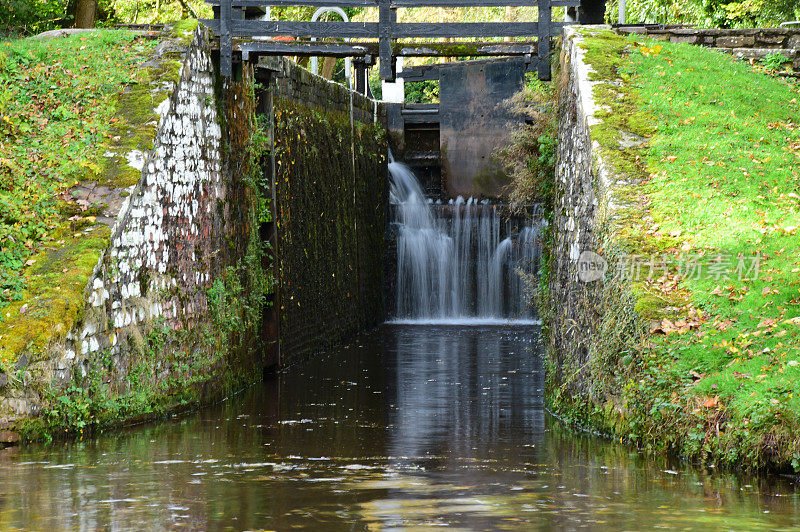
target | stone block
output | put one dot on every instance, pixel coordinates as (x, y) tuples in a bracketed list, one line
[(688, 39), (739, 41), (8, 437), (793, 42), (772, 40)]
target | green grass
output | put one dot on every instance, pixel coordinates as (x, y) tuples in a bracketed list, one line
[(720, 180), (725, 160), (58, 107)]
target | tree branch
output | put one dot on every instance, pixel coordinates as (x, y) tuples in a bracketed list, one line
[(185, 5)]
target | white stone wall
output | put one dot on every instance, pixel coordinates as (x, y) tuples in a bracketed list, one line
[(162, 254), (154, 243)]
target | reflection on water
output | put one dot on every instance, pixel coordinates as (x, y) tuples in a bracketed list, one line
[(411, 427)]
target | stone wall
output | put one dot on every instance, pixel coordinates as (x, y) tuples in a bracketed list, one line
[(149, 339), (330, 165), (180, 303), (585, 308), (743, 43), (297, 84)]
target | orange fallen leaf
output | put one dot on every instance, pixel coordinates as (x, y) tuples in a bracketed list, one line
[(711, 402)]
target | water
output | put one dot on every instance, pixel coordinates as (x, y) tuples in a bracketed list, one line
[(459, 261), (409, 428)]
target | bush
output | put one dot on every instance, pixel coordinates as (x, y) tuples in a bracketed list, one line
[(530, 158)]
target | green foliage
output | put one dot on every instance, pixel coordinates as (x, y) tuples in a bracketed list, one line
[(32, 16), (152, 11), (707, 13), (422, 91), (530, 157), (774, 61)]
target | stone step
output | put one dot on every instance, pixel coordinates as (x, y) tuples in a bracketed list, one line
[(792, 55)]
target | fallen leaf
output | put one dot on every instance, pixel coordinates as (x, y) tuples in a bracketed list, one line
[(768, 322), (724, 325), (711, 402)]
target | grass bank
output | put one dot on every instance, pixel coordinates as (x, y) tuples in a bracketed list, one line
[(712, 251), (70, 109)]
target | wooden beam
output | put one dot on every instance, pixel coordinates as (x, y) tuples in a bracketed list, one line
[(321, 30), (544, 29), (306, 49), (464, 49), (421, 73), (361, 49), (396, 3), (225, 40), (464, 30), (286, 3), (386, 23), (432, 72)]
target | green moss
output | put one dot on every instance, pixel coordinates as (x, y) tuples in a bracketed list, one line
[(54, 298), (184, 30)]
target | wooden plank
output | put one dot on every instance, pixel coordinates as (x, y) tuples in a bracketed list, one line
[(463, 29), (361, 49), (464, 3), (225, 40), (398, 3), (253, 28), (385, 30), (544, 29), (479, 3), (306, 49), (433, 72), (422, 73), (320, 30)]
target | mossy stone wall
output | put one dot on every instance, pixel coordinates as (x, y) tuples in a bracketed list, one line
[(590, 314), (173, 308), (332, 197)]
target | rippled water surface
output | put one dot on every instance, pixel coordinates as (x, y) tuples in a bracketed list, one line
[(412, 427)]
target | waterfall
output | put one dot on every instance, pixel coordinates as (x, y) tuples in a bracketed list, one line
[(458, 261)]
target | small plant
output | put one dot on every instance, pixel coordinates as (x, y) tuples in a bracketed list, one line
[(774, 61), (530, 158)]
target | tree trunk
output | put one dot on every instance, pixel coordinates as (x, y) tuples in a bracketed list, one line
[(328, 64), (85, 12)]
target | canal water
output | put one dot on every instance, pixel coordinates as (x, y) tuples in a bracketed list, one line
[(411, 427)]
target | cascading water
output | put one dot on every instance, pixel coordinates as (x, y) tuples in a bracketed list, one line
[(452, 263)]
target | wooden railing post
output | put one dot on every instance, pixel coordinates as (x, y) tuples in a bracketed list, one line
[(386, 19), (225, 39), (545, 16)]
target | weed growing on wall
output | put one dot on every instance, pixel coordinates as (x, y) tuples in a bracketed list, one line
[(530, 157)]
